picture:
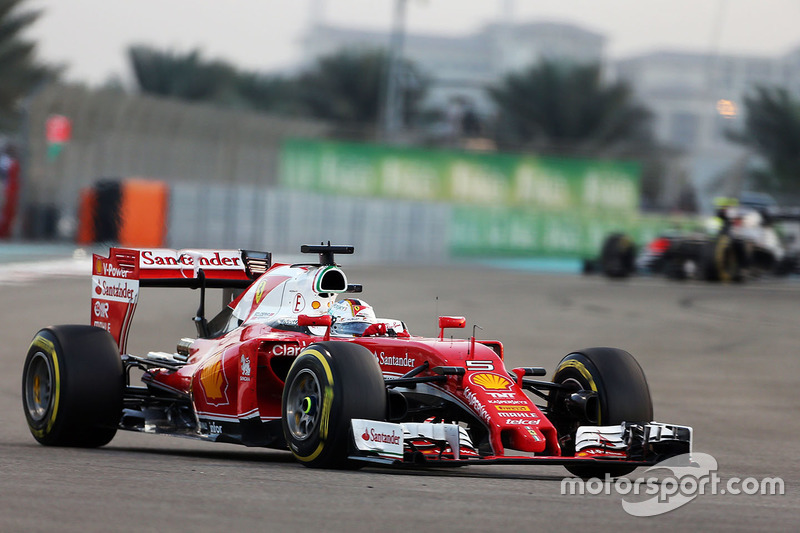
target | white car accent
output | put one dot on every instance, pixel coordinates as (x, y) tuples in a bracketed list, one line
[(621, 437), (387, 439), (383, 438)]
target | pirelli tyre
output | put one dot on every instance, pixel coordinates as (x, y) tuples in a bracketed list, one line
[(618, 256), (722, 261), (621, 394), (72, 386), (328, 385)]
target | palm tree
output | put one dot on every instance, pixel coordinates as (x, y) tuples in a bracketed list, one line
[(772, 129), (265, 92), (186, 76), (346, 88), (19, 72), (567, 107)]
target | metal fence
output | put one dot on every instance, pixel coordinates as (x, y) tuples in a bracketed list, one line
[(255, 217)]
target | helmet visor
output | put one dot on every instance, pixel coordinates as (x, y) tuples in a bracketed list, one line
[(351, 327)]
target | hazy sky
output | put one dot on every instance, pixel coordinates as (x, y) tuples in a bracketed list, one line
[(91, 36)]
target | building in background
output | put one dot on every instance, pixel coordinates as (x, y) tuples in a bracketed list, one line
[(461, 68), (698, 99), (695, 98)]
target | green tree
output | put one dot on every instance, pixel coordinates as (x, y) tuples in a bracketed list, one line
[(189, 76), (19, 72), (347, 88), (772, 129), (265, 92), (186, 76), (568, 107)]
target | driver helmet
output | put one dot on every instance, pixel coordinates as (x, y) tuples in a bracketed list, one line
[(351, 317)]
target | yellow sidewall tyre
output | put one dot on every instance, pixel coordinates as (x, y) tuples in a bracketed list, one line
[(72, 386), (328, 385), (622, 392)]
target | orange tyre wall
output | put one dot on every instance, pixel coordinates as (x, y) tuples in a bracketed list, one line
[(144, 209), (86, 211)]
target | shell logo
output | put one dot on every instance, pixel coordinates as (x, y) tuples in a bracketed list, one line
[(98, 267), (213, 382), (490, 381)]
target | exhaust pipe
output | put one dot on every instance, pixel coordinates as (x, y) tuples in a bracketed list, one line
[(584, 405)]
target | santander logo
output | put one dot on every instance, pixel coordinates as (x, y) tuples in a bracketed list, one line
[(224, 259), (376, 436)]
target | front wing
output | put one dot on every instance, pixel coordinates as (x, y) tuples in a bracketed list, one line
[(439, 444)]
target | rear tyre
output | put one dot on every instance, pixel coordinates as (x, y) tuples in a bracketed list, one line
[(72, 386), (622, 396), (721, 260), (618, 256), (328, 385)]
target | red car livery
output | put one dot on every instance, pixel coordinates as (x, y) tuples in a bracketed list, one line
[(272, 369)]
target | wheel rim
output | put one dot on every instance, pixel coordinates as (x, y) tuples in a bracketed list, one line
[(38, 387), (303, 399), (726, 260)]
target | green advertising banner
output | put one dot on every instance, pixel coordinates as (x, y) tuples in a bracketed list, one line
[(518, 232), (539, 183)]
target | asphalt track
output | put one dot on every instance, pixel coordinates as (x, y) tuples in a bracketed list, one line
[(723, 359)]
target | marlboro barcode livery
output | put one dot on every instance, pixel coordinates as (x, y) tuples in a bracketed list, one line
[(297, 361)]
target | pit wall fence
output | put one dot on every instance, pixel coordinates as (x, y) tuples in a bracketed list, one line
[(192, 215)]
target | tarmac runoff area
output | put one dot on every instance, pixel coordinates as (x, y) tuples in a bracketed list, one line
[(720, 358)]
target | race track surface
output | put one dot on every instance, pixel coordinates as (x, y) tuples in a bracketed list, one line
[(723, 359)]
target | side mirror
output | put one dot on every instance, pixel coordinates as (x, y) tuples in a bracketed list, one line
[(322, 320), (450, 322)]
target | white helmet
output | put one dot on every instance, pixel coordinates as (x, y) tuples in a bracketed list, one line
[(351, 317)]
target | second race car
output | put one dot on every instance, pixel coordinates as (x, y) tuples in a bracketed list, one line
[(742, 243)]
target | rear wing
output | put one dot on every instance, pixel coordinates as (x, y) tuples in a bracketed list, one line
[(786, 214), (116, 279)]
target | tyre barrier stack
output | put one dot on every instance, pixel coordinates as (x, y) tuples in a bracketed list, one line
[(131, 212)]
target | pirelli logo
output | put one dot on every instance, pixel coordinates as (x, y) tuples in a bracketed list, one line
[(512, 408)]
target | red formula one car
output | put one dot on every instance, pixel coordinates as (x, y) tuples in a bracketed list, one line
[(286, 365)]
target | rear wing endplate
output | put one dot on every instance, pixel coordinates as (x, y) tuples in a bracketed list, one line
[(116, 279)]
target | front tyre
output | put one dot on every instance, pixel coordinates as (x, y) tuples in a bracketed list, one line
[(72, 386), (328, 385), (618, 256), (622, 396)]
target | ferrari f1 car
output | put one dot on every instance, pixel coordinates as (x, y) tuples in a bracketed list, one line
[(278, 368)]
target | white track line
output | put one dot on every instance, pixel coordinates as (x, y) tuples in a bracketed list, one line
[(28, 272)]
